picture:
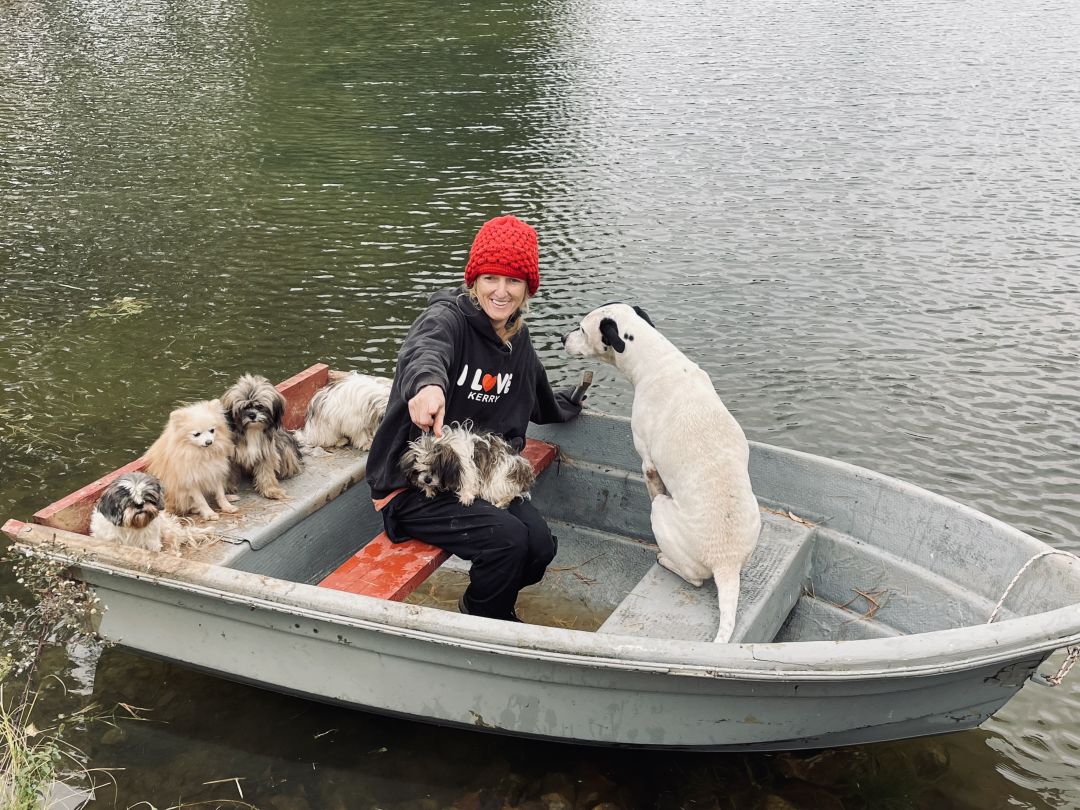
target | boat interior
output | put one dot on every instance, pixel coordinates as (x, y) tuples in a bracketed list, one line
[(810, 576), (843, 554)]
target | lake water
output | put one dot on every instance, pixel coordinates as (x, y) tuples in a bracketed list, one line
[(861, 218)]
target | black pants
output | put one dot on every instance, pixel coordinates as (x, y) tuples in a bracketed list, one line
[(509, 548)]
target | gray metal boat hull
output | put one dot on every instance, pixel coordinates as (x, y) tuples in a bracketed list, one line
[(457, 670), (621, 690)]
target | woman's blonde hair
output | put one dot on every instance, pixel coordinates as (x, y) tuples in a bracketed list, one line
[(517, 320)]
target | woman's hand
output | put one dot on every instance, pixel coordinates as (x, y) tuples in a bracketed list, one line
[(428, 408)]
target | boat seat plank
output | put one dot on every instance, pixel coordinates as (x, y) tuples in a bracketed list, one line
[(388, 570), (324, 476), (72, 513), (664, 605)]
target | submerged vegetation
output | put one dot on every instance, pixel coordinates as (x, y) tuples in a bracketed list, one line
[(122, 307)]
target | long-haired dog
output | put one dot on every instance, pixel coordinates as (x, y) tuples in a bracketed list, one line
[(693, 453), (265, 449), (191, 458), (347, 411), (127, 512), (131, 512), (469, 463)]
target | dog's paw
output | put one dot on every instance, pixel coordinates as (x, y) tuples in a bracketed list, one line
[(227, 507), (208, 515), (666, 563), (465, 499), (275, 494), (232, 496)]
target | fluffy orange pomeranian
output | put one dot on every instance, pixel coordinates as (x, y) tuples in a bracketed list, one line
[(192, 457)]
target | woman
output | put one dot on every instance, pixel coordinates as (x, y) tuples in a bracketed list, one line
[(469, 357)]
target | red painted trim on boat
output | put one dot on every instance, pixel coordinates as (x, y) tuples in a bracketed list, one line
[(298, 391), (13, 527)]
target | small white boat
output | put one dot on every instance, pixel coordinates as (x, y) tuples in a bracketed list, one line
[(864, 614)]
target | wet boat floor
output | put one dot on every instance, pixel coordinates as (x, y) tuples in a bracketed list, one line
[(535, 605)]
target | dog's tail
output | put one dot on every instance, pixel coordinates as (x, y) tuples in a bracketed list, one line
[(727, 591)]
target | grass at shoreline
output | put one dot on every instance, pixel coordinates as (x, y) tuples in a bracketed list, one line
[(28, 758), (53, 611)]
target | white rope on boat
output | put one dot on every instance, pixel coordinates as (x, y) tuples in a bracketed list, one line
[(1072, 654), (1001, 601)]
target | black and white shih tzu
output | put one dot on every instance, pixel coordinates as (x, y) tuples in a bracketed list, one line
[(131, 512), (264, 448), (346, 412), (473, 464)]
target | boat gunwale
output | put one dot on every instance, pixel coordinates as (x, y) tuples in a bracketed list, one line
[(933, 653)]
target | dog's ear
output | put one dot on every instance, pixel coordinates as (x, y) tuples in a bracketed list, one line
[(113, 503), (154, 493), (644, 316), (221, 407), (277, 409), (447, 468), (609, 333)]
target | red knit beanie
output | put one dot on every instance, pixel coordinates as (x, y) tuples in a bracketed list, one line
[(505, 246)]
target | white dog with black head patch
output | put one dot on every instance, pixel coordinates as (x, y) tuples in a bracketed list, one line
[(693, 453)]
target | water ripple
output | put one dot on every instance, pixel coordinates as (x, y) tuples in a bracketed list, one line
[(860, 219)]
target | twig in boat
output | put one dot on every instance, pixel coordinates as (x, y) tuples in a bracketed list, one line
[(871, 597), (561, 568), (789, 515)]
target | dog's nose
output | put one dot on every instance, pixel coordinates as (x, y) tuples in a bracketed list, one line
[(427, 479)]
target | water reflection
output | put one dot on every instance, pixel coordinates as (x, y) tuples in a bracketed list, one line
[(858, 218), (202, 730)]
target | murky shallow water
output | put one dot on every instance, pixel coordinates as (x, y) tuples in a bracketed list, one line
[(859, 218)]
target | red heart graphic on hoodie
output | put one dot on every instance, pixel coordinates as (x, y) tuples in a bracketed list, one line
[(488, 382)]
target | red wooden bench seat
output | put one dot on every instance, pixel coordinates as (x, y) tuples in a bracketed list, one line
[(391, 570)]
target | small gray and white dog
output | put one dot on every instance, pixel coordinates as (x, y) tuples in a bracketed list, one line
[(127, 512), (263, 447), (131, 512), (473, 464), (346, 412), (694, 455)]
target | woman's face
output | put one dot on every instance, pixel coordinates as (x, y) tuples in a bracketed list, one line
[(500, 297)]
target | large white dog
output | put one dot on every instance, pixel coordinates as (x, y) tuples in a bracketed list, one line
[(693, 453)]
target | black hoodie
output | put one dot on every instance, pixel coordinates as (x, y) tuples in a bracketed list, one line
[(498, 387)]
